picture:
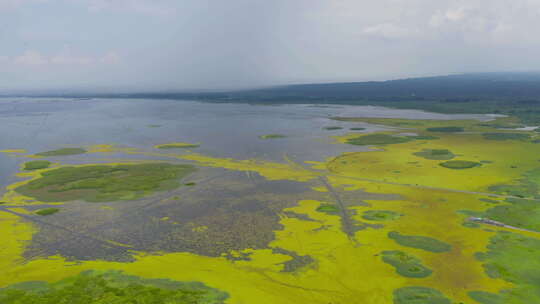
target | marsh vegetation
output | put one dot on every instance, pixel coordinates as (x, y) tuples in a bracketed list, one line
[(101, 183)]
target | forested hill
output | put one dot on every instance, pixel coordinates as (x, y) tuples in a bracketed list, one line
[(464, 86)]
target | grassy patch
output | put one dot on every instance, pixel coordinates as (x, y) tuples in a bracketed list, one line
[(506, 136), (406, 264), (483, 297), (332, 128), (272, 136), (419, 295), (435, 154), (460, 164), (101, 183), (517, 212), (420, 242), (62, 152), (377, 139), (177, 146), (423, 137), (380, 215), (47, 211), (111, 287), (514, 258), (328, 208), (37, 164), (450, 129)]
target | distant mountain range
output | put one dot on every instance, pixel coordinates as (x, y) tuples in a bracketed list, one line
[(462, 87)]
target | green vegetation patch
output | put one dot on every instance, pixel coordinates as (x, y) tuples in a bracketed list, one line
[(435, 154), (377, 139), (406, 264), (332, 128), (102, 183), (37, 164), (177, 146), (92, 287), (423, 137), (483, 297), (380, 215), (419, 295), (47, 211), (449, 129), (272, 136), (519, 213), (62, 152), (514, 258), (328, 208), (528, 186), (460, 164), (357, 129), (506, 136), (420, 242)]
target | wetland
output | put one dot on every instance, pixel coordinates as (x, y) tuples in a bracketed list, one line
[(164, 201)]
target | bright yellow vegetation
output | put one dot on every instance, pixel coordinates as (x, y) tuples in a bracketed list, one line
[(345, 269)]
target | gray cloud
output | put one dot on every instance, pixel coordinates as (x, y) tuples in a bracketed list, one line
[(181, 44)]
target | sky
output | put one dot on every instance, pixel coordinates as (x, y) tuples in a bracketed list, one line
[(179, 45)]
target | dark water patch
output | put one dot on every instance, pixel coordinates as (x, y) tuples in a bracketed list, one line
[(226, 211), (300, 216), (296, 262)]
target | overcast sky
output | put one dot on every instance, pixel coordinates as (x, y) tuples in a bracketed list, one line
[(197, 44)]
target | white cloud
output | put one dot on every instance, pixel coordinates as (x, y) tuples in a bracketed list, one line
[(389, 31), (110, 58), (65, 58), (153, 7), (31, 58)]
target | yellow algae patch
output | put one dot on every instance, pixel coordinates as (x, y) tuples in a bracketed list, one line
[(501, 163), (177, 145), (18, 151), (270, 170), (199, 228), (422, 124), (434, 213)]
